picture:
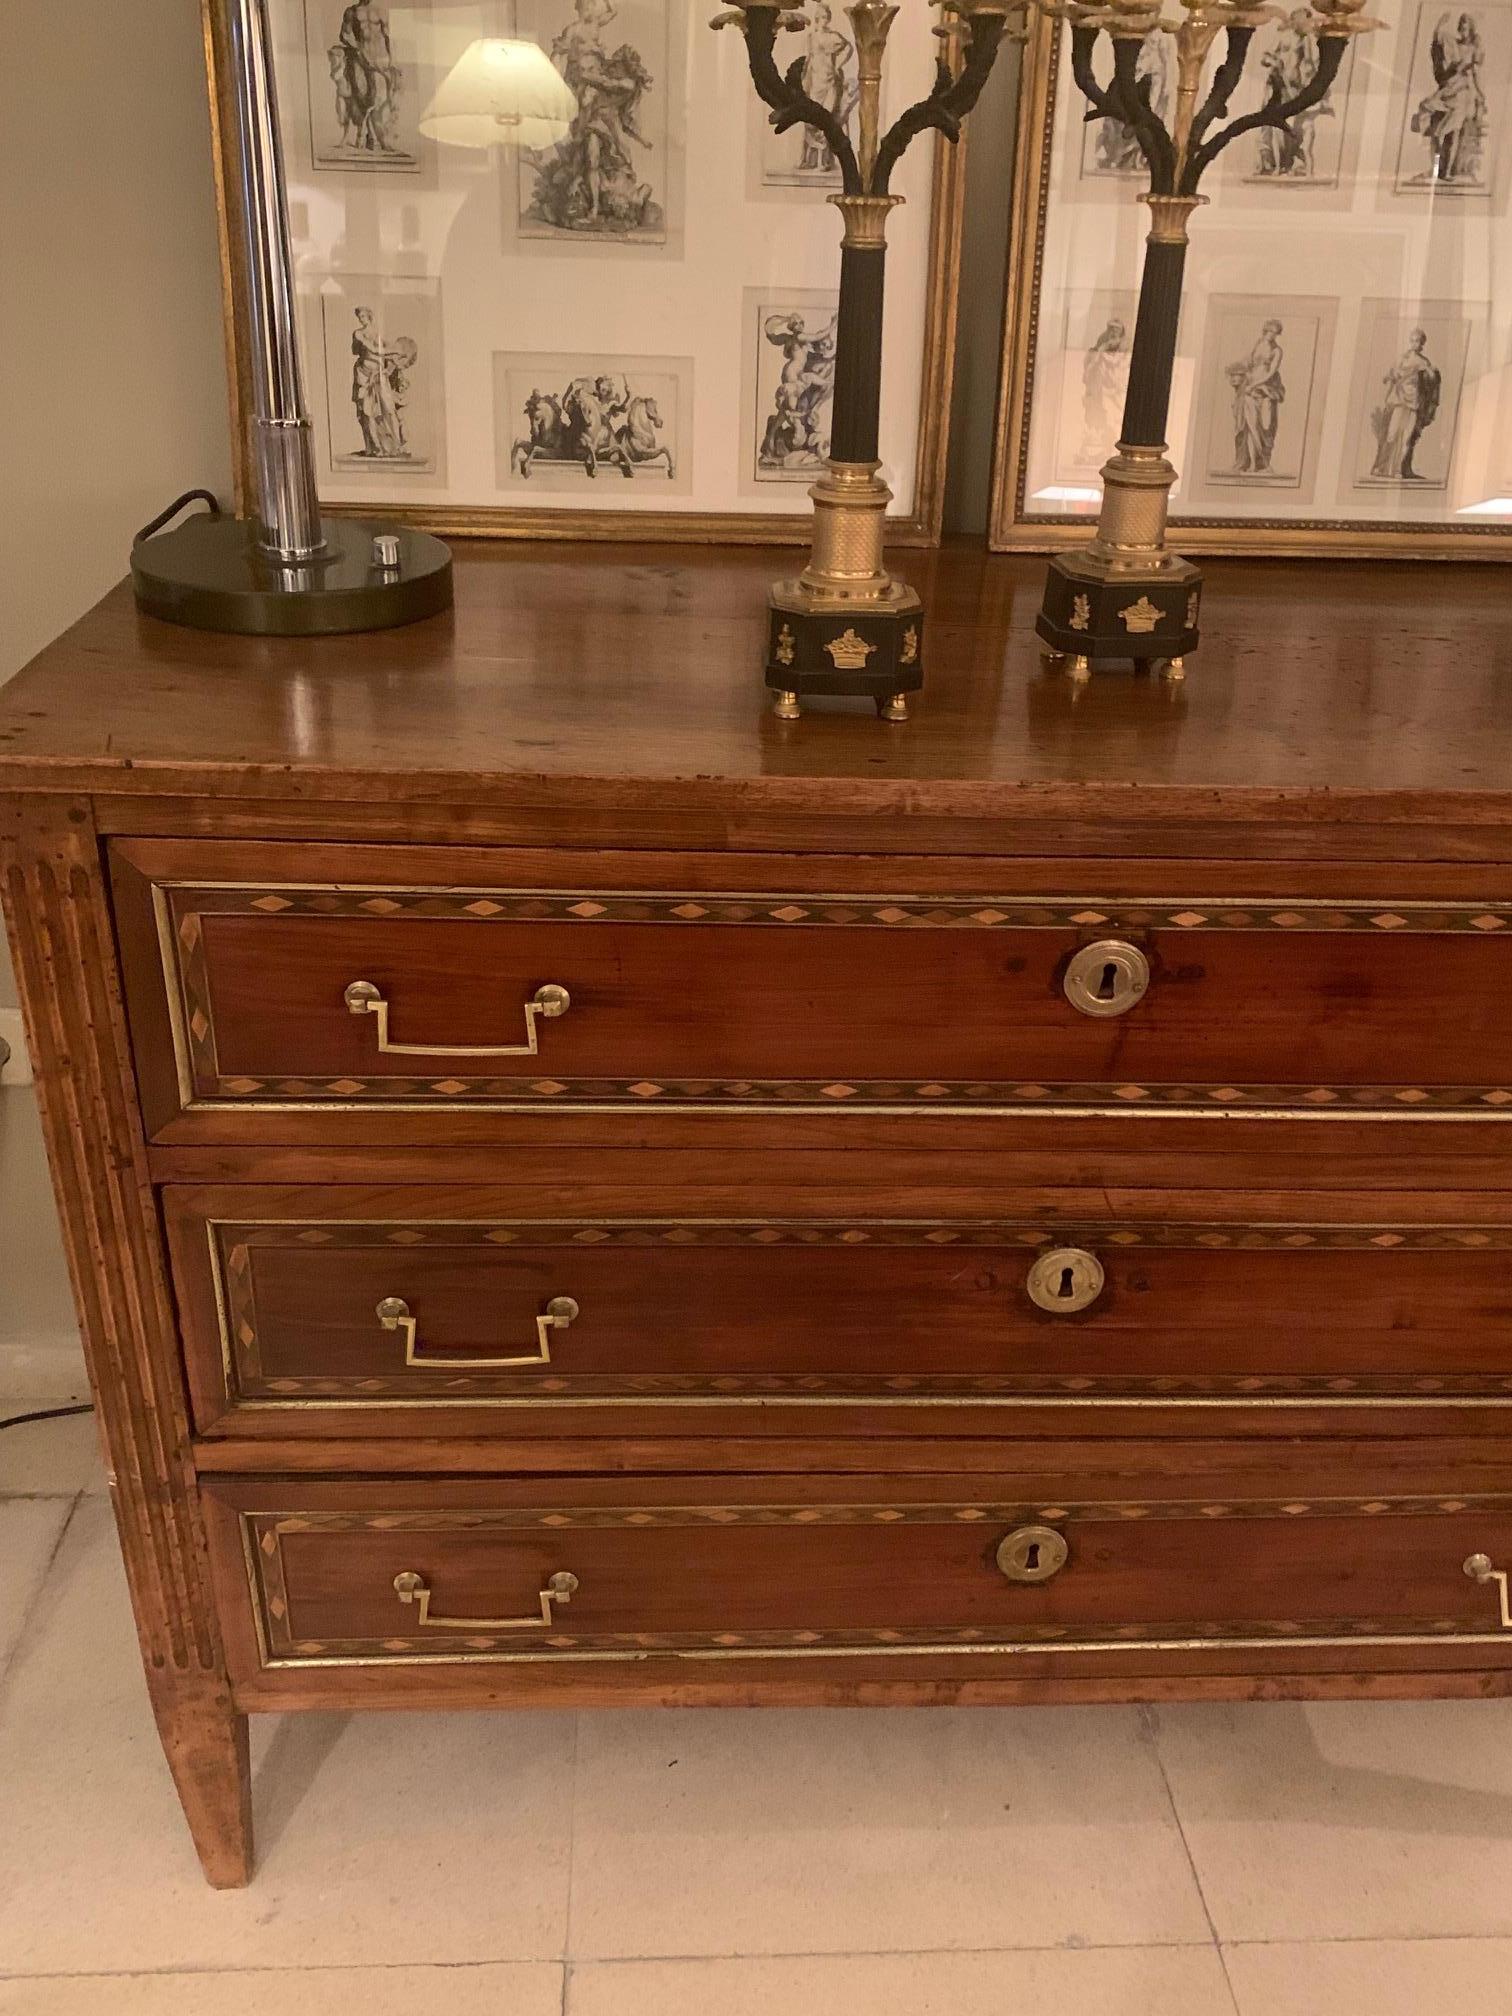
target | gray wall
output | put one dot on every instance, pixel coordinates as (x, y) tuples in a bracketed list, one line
[(115, 401)]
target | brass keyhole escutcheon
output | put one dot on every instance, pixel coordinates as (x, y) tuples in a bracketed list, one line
[(1033, 1554), (1066, 1279), (1108, 978)]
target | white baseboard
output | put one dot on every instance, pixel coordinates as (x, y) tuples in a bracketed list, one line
[(43, 1368)]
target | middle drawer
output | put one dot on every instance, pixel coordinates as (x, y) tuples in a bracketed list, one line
[(310, 1311)]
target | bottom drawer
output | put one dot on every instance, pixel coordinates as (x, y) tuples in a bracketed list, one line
[(782, 1570)]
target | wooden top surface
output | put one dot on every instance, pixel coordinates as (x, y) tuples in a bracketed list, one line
[(572, 673)]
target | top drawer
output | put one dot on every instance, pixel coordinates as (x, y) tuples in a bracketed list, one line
[(271, 977)]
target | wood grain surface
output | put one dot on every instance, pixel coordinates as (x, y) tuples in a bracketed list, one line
[(632, 685)]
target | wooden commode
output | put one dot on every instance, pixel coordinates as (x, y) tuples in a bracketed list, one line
[(581, 1192)]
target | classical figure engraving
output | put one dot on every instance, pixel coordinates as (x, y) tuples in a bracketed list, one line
[(367, 81), (1290, 152), (1105, 380), (1259, 390), (802, 158), (795, 433), (363, 86), (1452, 120), (828, 57), (599, 179), (599, 420), (380, 339), (1265, 361), (381, 370), (1412, 394)]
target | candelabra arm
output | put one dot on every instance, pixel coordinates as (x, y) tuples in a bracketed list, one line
[(1131, 94), (952, 98), (1225, 83), (1102, 104), (1276, 111), (783, 90)]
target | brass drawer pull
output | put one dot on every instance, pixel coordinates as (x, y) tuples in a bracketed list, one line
[(1033, 1554), (1479, 1569), (560, 1312), (412, 1588), (363, 998), (1066, 1279), (1108, 978)]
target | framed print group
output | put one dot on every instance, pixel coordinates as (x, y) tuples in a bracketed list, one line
[(626, 334), (1343, 379)]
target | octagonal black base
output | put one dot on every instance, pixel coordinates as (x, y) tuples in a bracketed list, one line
[(1088, 613), (873, 649)]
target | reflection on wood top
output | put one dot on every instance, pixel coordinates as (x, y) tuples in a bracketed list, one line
[(568, 670)]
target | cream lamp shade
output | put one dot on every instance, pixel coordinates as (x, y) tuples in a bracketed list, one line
[(500, 93)]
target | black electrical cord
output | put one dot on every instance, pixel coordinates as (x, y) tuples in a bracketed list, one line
[(46, 1414), (171, 511)]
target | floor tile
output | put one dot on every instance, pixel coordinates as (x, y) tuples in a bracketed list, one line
[(519, 1990), (1131, 1981), (1387, 1977), (871, 1830), (1330, 1820), (49, 1458), (29, 1532), (382, 1839)]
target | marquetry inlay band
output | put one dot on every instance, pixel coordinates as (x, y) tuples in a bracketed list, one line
[(264, 1535), (182, 907), (978, 913), (950, 1512), (232, 1246), (653, 1234)]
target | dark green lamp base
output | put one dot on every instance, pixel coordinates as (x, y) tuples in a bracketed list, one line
[(210, 574)]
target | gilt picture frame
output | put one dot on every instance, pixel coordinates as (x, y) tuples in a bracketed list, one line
[(493, 237), (1328, 399)]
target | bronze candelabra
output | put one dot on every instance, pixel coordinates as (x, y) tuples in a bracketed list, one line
[(845, 625), (1125, 594)]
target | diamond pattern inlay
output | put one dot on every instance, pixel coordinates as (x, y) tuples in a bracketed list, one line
[(189, 905)]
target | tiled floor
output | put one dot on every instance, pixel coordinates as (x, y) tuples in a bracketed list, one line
[(1262, 1861)]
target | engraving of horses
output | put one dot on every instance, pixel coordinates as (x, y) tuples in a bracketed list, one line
[(642, 421), (547, 438)]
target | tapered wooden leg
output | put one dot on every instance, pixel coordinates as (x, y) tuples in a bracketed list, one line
[(205, 1742), (62, 938)]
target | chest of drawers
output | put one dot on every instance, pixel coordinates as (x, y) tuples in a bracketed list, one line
[(580, 1192)]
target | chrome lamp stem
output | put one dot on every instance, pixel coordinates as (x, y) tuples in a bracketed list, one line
[(286, 510)]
